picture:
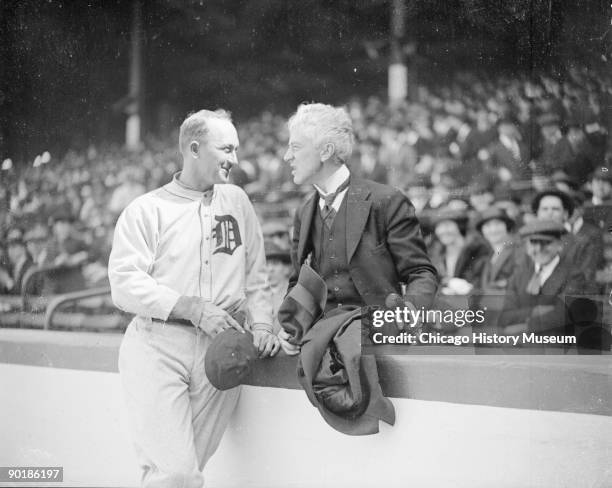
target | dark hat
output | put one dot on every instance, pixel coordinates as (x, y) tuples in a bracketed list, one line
[(458, 216), (229, 358), (303, 304), (494, 213), (548, 119), (272, 227), (543, 229), (274, 251), (566, 200), (602, 173)]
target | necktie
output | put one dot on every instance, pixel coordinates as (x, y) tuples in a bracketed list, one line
[(328, 213), (534, 286)]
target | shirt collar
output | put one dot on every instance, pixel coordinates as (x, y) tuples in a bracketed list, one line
[(547, 269), (177, 187), (335, 180)]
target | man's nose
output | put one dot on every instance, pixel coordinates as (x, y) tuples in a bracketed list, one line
[(288, 156), (233, 158)]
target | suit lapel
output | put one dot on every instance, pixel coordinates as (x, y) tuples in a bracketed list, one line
[(556, 281), (498, 263), (306, 221), (357, 212)]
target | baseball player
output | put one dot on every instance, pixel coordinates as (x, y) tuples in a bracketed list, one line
[(188, 260)]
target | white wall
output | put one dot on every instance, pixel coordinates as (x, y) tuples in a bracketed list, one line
[(75, 419)]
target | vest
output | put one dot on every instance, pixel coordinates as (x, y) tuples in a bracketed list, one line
[(330, 259)]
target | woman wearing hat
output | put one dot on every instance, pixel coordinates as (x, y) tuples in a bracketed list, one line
[(496, 226), (458, 258)]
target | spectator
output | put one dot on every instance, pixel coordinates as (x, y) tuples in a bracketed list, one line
[(534, 299), (37, 242), (278, 265), (601, 186), (495, 225), (19, 261), (458, 259)]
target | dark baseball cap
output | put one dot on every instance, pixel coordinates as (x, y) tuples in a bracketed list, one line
[(229, 358)]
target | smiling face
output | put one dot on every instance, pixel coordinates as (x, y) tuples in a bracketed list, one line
[(495, 231), (543, 251), (447, 232), (303, 156), (551, 208), (209, 159)]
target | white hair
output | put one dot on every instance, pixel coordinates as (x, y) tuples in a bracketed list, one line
[(326, 124), (195, 126)]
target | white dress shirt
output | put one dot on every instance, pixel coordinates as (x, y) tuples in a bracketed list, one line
[(333, 183)]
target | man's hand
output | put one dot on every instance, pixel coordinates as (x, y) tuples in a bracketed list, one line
[(267, 344), (290, 349), (205, 315)]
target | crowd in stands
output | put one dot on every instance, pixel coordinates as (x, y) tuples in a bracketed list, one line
[(480, 158)]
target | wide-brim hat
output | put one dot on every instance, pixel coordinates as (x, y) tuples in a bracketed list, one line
[(454, 215), (272, 227), (274, 251), (543, 229), (303, 305), (566, 199), (493, 213), (229, 358)]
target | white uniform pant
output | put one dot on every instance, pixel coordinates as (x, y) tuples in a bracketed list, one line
[(176, 416)]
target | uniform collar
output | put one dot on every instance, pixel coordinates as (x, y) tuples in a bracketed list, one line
[(178, 188)]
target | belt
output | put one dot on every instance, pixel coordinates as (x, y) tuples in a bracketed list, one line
[(174, 322), (238, 316)]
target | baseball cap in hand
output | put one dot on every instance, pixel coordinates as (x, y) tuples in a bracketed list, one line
[(229, 358)]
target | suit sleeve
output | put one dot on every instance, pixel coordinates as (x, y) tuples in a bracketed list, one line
[(295, 240), (407, 248), (133, 289)]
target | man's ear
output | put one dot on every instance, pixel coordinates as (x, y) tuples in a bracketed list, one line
[(194, 148), (327, 151)]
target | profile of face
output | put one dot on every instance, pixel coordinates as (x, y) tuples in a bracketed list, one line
[(447, 232), (551, 208), (543, 251), (303, 156), (602, 189), (495, 231), (211, 160)]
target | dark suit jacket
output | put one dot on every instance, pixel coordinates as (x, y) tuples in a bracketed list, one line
[(496, 273), (470, 262), (383, 241), (501, 156), (519, 306), (587, 249)]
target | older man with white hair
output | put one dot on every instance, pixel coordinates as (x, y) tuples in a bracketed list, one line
[(361, 237)]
